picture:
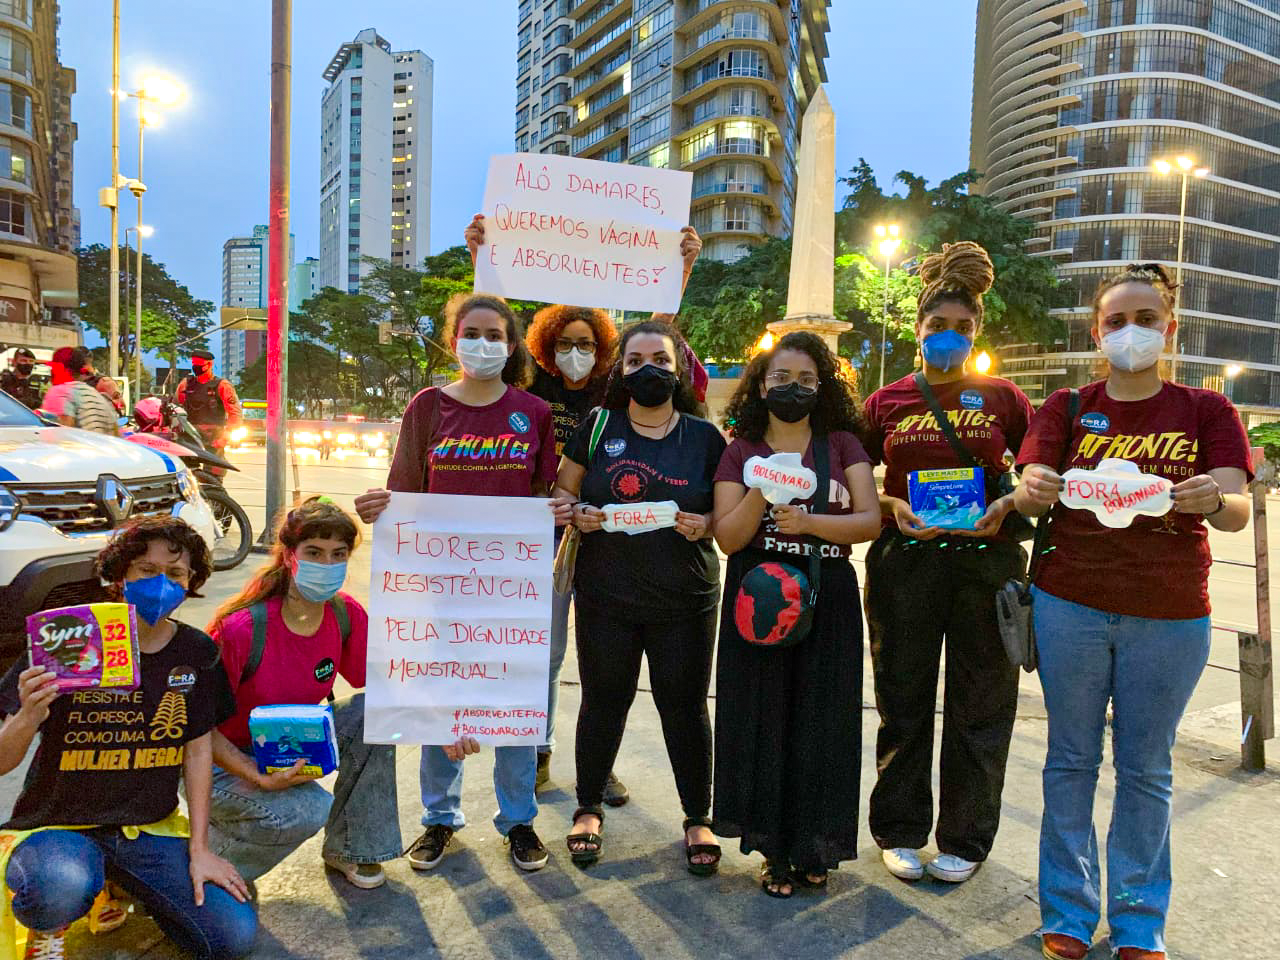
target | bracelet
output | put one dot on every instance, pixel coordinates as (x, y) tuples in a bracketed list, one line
[(1222, 505)]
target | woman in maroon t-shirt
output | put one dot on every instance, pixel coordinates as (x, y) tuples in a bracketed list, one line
[(1122, 614), (927, 585), (481, 435)]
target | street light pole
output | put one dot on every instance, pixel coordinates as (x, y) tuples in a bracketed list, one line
[(137, 319), (889, 242), (113, 288), (1177, 294), (277, 269)]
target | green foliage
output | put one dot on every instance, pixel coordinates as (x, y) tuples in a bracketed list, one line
[(727, 306), (1267, 436)]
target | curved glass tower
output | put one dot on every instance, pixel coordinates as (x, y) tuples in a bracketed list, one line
[(1075, 104)]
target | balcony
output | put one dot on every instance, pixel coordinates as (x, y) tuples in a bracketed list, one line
[(601, 135), (599, 20), (706, 47), (697, 85), (593, 81), (709, 10), (601, 47), (596, 111)]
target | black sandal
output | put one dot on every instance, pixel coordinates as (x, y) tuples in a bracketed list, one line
[(692, 850), (804, 878), (590, 844), (773, 878)]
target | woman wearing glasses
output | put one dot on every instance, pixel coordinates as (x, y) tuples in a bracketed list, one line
[(788, 720), (925, 584)]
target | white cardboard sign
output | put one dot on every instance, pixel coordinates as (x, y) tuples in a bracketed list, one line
[(1117, 492), (459, 620), (569, 230), (782, 477), (642, 517)]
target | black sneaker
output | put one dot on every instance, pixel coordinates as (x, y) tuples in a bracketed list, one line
[(544, 771), (615, 791), (429, 849), (526, 849)]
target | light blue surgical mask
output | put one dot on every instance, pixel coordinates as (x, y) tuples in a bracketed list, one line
[(154, 598), (319, 582), (946, 350)]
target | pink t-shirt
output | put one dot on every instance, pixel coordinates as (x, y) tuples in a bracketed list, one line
[(294, 668)]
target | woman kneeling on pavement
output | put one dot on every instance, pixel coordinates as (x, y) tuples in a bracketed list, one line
[(650, 594), (285, 639), (441, 427), (55, 865), (1122, 614), (789, 717)]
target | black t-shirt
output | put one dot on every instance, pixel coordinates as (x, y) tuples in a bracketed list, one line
[(23, 389), (568, 407), (657, 575), (114, 758)]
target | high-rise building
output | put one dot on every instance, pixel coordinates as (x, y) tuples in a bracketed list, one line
[(1075, 105), (39, 224), (716, 87), (375, 159), (302, 282), (244, 284)]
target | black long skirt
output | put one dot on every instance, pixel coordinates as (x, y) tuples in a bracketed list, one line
[(788, 737)]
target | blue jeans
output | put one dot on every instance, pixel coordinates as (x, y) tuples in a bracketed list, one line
[(1147, 669), (256, 829), (514, 771), (55, 874), (559, 643)]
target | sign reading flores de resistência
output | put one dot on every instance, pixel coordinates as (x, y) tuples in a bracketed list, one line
[(568, 230), (459, 620)]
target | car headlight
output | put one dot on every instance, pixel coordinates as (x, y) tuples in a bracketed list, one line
[(10, 507), (188, 485), (346, 439), (373, 440)]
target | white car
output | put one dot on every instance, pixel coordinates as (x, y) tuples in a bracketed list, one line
[(63, 492)]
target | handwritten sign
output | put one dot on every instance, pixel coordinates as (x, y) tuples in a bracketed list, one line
[(639, 517), (782, 477), (1117, 492), (568, 230), (459, 620)]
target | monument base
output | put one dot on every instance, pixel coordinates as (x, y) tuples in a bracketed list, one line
[(827, 327)]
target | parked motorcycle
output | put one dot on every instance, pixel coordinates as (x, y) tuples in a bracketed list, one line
[(163, 425)]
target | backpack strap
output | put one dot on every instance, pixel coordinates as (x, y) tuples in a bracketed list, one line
[(597, 431), (340, 614), (258, 613)]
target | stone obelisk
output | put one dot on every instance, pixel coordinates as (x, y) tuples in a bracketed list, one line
[(811, 289)]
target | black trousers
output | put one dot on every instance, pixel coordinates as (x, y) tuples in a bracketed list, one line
[(918, 596), (610, 644)]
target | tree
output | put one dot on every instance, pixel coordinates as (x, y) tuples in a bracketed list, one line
[(727, 306), (1267, 436), (169, 311)]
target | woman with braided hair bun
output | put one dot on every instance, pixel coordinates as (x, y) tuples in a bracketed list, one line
[(930, 584)]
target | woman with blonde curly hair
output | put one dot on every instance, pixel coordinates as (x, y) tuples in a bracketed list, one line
[(925, 588)]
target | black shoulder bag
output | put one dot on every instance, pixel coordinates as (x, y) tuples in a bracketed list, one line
[(1016, 526), (1013, 600)]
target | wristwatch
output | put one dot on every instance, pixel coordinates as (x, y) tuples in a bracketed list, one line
[(1222, 505)]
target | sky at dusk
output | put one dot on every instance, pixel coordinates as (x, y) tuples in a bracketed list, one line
[(900, 80)]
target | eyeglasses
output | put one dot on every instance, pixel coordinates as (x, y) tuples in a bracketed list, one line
[(784, 378), (143, 569), (586, 346)]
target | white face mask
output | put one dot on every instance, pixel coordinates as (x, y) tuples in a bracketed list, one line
[(482, 359), (1133, 348), (576, 364)]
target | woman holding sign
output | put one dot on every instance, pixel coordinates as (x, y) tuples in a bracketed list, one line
[(636, 479), (285, 639), (1122, 612), (480, 411), (792, 492), (932, 576), (109, 764)]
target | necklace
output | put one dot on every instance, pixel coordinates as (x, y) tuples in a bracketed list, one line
[(654, 426)]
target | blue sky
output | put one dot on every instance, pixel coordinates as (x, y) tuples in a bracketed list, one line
[(900, 79)]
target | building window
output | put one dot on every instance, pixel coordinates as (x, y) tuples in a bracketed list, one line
[(15, 8), (13, 213), (15, 160), (15, 54)]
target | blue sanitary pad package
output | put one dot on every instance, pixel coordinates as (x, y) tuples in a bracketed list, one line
[(954, 499), (285, 733)]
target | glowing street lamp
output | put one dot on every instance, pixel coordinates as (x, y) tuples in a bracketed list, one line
[(1232, 371), (982, 362), (765, 343), (890, 241), (1185, 167)]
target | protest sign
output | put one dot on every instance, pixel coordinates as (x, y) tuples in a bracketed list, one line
[(1116, 492), (569, 230), (639, 517), (782, 477), (459, 620)]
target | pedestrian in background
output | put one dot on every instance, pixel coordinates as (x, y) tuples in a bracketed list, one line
[(650, 594), (1122, 615), (789, 719), (928, 587), (486, 404), (72, 401), (18, 382)]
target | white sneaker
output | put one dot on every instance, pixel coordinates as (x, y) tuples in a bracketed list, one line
[(366, 876), (903, 863), (950, 868), (45, 946)]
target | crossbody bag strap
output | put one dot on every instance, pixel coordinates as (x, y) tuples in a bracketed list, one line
[(944, 423), (1040, 545), (258, 616), (597, 431), (821, 496)]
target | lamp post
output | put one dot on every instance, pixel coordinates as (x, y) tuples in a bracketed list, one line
[(889, 243), (1187, 168), (1229, 380), (111, 199), (142, 231)]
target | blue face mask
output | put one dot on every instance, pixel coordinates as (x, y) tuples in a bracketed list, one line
[(318, 582), (946, 350), (154, 597)]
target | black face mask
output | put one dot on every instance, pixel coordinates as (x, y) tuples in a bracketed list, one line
[(23, 369), (791, 403), (651, 386)]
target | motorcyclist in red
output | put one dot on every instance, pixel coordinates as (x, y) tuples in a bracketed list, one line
[(211, 402)]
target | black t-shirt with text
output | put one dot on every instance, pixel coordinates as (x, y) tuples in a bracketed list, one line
[(659, 575), (114, 758), (568, 407)]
